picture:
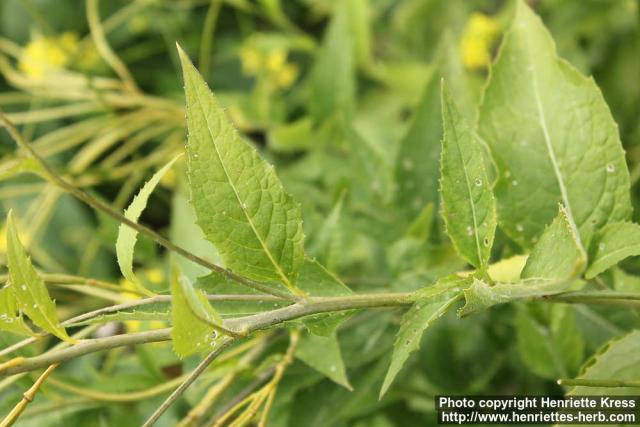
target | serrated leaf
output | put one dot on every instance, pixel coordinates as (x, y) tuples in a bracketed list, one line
[(239, 201), (191, 316), (552, 136), (554, 263), (618, 360), (10, 320), (30, 293), (127, 236), (551, 347), (418, 160), (421, 315), (468, 206), (612, 244), (323, 354)]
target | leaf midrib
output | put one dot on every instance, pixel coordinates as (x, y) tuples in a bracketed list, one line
[(545, 131), (466, 178), (266, 250)]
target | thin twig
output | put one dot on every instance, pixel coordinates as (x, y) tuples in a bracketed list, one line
[(208, 36), (27, 398), (98, 205), (100, 40), (190, 379)]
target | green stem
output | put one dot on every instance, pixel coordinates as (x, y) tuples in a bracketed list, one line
[(242, 326), (208, 35), (98, 205), (598, 383), (190, 379), (117, 397)]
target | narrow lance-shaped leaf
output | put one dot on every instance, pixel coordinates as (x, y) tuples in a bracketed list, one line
[(417, 164), (323, 354), (127, 236), (611, 245), (552, 136), (191, 316), (28, 288), (239, 202), (468, 206), (554, 263), (432, 304)]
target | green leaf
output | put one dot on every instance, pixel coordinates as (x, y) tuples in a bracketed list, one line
[(127, 236), (612, 244), (554, 263), (323, 354), (418, 160), (239, 201), (430, 304), (618, 360), (552, 136), (30, 293), (551, 344), (10, 320), (317, 281), (328, 240), (333, 79), (192, 316), (468, 206), (558, 254)]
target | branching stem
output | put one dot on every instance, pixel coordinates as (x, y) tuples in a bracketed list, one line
[(103, 207)]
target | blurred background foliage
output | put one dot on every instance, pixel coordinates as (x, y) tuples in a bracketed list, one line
[(343, 97)]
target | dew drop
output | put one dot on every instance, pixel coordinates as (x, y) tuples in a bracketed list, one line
[(507, 174), (601, 246), (35, 305), (486, 242), (23, 287), (478, 182), (332, 368), (244, 205), (520, 228), (514, 183), (469, 230), (611, 168)]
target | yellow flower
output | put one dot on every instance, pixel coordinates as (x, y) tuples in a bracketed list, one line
[(480, 33), (251, 61), (275, 60), (286, 76), (45, 55)]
